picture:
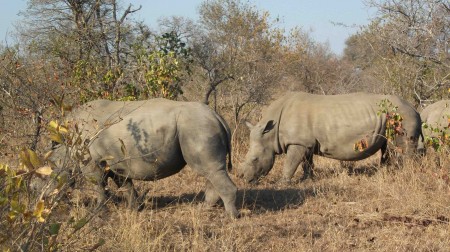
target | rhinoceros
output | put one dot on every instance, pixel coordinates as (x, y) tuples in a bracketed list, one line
[(151, 140), (345, 127), (436, 119)]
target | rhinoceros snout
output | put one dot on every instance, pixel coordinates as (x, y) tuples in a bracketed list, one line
[(240, 174), (240, 171)]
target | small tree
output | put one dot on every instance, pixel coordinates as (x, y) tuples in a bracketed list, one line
[(164, 69), (406, 46)]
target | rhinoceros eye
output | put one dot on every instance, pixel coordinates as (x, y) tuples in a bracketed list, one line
[(254, 160)]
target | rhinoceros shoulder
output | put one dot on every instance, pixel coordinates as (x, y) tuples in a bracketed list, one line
[(436, 111)]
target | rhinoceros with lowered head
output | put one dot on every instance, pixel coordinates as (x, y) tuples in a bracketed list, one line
[(346, 127), (436, 119), (151, 140)]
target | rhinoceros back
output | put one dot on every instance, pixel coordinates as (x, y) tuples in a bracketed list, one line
[(436, 116), (335, 123), (152, 139)]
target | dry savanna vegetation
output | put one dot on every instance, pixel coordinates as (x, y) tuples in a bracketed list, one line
[(237, 59), (369, 208), (365, 208)]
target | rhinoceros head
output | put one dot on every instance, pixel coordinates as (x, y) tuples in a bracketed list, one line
[(60, 176), (260, 157)]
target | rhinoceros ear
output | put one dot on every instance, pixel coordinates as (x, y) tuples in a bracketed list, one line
[(269, 126)]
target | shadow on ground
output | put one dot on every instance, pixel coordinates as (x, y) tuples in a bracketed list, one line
[(257, 200), (273, 200), (365, 170), (357, 169)]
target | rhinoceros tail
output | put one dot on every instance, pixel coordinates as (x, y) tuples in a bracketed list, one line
[(421, 150), (226, 129)]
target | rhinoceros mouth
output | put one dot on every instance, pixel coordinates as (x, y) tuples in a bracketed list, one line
[(253, 181)]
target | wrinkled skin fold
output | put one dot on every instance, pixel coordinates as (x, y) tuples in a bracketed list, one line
[(301, 125), (153, 139)]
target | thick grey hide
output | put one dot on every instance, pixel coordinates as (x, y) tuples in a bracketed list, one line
[(154, 139), (301, 124), (436, 116)]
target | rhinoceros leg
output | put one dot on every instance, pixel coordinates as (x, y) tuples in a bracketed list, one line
[(394, 155), (126, 186), (95, 175), (385, 155), (308, 166), (221, 184), (99, 175), (390, 156), (297, 154), (211, 195)]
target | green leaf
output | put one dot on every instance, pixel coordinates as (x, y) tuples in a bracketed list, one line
[(80, 224), (62, 180), (17, 207), (54, 228), (3, 200), (24, 247)]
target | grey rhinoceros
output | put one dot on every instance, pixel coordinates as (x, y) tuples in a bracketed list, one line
[(153, 139), (436, 119), (301, 124)]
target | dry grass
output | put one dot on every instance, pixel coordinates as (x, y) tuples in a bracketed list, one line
[(370, 210)]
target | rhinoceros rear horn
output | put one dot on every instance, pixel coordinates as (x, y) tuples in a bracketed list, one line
[(269, 126), (249, 125)]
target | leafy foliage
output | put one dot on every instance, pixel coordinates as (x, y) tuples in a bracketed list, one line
[(31, 194), (165, 67), (393, 125), (393, 120), (22, 214), (439, 139), (361, 145)]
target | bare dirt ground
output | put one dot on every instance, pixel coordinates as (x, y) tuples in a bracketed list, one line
[(369, 209)]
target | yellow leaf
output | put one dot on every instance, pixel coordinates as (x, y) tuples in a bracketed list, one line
[(56, 137), (24, 158), (40, 219), (12, 215), (44, 170), (53, 125), (47, 155), (3, 170), (63, 129), (34, 159), (39, 210)]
